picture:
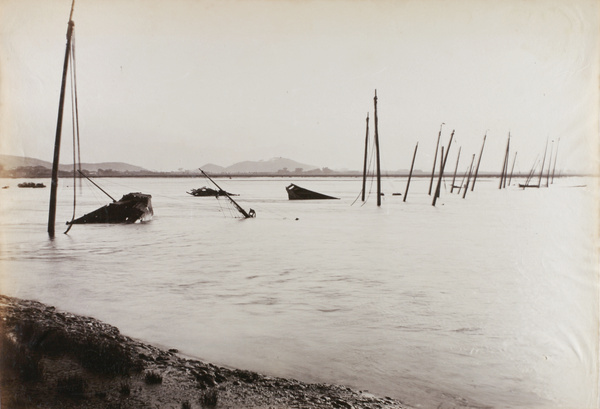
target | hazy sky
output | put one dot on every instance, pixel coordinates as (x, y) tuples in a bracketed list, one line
[(181, 83)]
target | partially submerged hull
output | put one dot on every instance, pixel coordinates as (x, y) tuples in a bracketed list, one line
[(129, 209), (296, 192), (206, 191), (31, 185)]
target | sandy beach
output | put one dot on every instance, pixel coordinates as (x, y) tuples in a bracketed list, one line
[(54, 359)]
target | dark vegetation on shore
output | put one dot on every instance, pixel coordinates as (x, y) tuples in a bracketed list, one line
[(53, 359)]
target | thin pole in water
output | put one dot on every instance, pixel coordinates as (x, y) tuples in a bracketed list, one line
[(364, 181), (512, 169), (436, 195), (478, 162), (543, 163), (555, 156), (435, 158), (444, 158), (455, 169), (549, 163), (377, 151), (412, 165), (469, 177), (505, 164)]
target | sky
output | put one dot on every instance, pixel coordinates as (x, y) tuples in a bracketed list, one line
[(177, 84)]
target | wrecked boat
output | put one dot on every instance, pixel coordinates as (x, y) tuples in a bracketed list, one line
[(129, 209), (207, 191), (247, 214), (296, 192), (31, 184)]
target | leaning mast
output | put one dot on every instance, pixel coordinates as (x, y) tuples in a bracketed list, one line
[(55, 162)]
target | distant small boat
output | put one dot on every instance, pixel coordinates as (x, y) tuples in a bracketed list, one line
[(523, 186), (207, 191), (296, 192), (5, 187), (129, 209), (30, 184)]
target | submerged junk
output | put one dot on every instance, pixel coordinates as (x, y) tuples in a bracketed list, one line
[(206, 191), (129, 209), (30, 184), (296, 192)]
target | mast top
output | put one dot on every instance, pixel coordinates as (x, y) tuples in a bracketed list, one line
[(72, 8)]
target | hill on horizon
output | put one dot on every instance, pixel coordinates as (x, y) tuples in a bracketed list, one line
[(272, 165), (13, 162)]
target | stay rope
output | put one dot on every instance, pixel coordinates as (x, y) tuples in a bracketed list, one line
[(75, 125)]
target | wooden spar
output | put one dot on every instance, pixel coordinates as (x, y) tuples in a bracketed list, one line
[(61, 103), (437, 145), (437, 193), (543, 163), (506, 164), (94, 183), (512, 168), (364, 181), (530, 175), (469, 177), (455, 169), (412, 165), (478, 162), (377, 153), (237, 206), (555, 156), (502, 176), (462, 182), (443, 160), (549, 163)]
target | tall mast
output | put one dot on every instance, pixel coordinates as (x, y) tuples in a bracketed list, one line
[(555, 156), (543, 163), (505, 164), (478, 162), (512, 169), (364, 182), (61, 103), (549, 163), (437, 145), (377, 152), (412, 165), (443, 159), (455, 169)]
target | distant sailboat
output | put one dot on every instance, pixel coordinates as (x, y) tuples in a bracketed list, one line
[(131, 207)]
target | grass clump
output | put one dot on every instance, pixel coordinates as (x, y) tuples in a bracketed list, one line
[(125, 389), (17, 359), (153, 378), (72, 385), (209, 398)]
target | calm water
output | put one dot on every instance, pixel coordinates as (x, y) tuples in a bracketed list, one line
[(492, 298)]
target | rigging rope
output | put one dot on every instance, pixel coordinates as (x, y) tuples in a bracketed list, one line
[(75, 125), (369, 172)]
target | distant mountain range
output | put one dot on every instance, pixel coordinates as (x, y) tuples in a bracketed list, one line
[(13, 162), (273, 165)]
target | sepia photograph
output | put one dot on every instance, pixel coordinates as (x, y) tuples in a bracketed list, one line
[(277, 204)]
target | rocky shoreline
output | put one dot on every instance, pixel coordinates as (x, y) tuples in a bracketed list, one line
[(54, 359)]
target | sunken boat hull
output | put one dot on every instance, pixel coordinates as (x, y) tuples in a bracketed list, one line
[(129, 209), (296, 192), (208, 192)]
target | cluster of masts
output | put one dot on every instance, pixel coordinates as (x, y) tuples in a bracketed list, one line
[(472, 172)]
